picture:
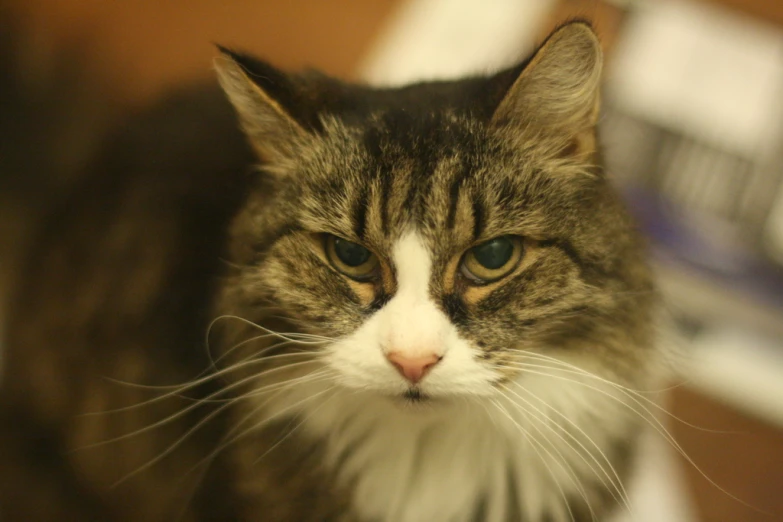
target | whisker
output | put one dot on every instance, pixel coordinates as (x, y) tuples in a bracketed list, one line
[(548, 358), (283, 438), (287, 336), (187, 409), (172, 447), (236, 433), (564, 462), (572, 369), (178, 390), (534, 443), (655, 424), (204, 400), (175, 444), (618, 485), (227, 353)]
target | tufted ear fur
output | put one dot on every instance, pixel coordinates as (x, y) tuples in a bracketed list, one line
[(558, 90), (264, 99)]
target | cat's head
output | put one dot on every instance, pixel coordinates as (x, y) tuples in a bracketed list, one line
[(440, 234)]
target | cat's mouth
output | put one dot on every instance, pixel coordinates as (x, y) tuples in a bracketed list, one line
[(415, 396)]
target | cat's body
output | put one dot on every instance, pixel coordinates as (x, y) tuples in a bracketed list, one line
[(339, 417)]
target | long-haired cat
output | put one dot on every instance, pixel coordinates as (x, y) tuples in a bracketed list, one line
[(402, 305)]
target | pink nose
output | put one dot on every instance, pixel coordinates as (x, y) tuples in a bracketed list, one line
[(413, 368)]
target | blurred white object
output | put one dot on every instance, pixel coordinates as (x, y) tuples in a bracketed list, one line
[(741, 366), (704, 70), (439, 39)]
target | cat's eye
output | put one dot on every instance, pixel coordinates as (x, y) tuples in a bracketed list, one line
[(492, 259), (352, 259)]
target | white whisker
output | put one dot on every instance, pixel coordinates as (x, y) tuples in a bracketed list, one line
[(187, 409), (617, 485), (180, 389), (650, 419), (575, 370), (299, 425), (236, 433), (563, 461), (177, 443), (533, 444), (287, 336), (227, 353)]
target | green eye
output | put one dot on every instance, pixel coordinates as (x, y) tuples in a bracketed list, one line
[(492, 260), (350, 254), (352, 259)]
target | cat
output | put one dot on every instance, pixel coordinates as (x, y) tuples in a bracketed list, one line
[(327, 301)]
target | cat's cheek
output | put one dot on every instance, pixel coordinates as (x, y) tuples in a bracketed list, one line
[(462, 372)]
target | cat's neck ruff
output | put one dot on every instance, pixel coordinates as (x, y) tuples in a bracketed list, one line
[(468, 458)]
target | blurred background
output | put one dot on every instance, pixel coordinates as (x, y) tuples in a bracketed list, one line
[(692, 130)]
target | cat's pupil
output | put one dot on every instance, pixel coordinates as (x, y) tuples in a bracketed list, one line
[(495, 253), (350, 253)]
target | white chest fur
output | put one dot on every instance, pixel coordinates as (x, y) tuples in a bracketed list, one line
[(440, 462)]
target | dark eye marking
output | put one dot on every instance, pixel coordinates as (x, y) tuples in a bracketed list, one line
[(454, 192), (455, 308), (478, 218), (386, 188), (381, 298), (360, 212), (567, 248), (587, 270)]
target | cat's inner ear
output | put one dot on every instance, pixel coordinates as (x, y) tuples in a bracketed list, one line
[(260, 93), (558, 90)]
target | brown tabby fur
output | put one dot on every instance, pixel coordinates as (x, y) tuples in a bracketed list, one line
[(173, 226)]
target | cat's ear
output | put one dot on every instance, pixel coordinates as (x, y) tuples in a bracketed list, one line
[(558, 90), (265, 99)]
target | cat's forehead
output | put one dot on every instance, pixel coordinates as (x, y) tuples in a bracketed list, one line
[(445, 173), (399, 170)]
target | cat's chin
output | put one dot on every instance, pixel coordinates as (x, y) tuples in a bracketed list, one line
[(415, 399), (415, 396)]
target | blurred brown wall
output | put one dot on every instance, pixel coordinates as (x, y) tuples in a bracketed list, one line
[(142, 46)]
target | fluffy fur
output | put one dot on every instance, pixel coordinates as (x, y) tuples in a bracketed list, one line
[(532, 412)]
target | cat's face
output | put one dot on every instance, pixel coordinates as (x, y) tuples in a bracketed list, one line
[(436, 244)]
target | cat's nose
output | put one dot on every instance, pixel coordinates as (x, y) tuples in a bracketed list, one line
[(413, 368)]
